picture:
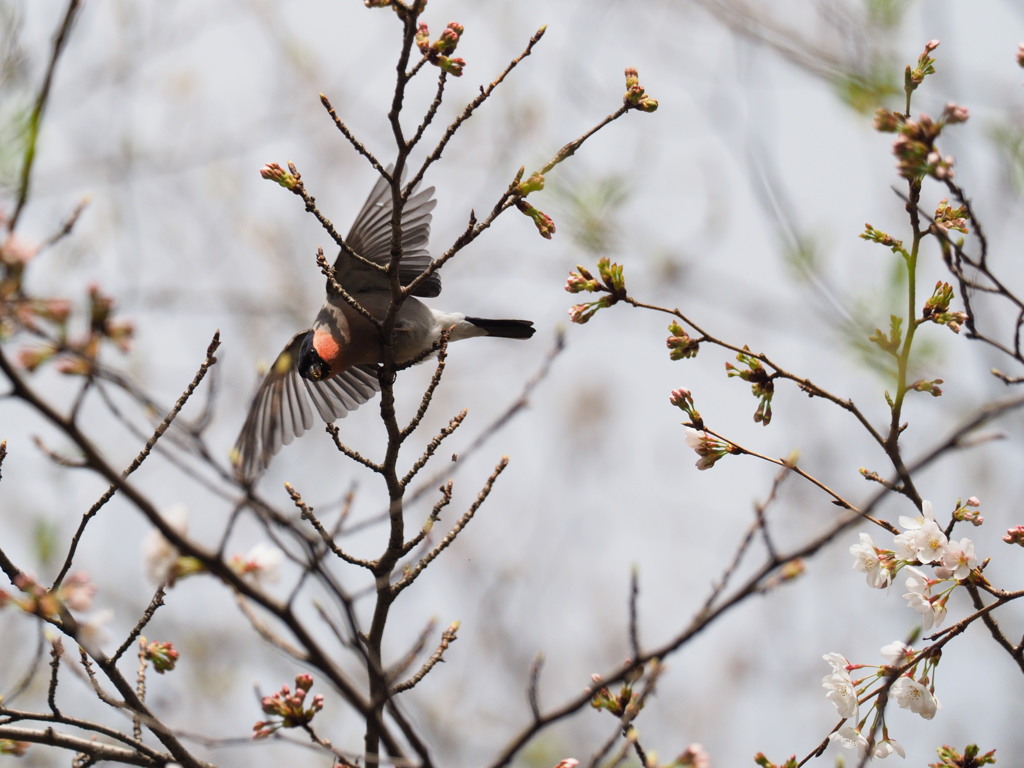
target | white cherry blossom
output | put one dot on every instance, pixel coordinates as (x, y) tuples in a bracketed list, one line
[(897, 653), (866, 560), (959, 558), (261, 565), (910, 694), (887, 747), (839, 687), (919, 597), (913, 523), (851, 738), (930, 542)]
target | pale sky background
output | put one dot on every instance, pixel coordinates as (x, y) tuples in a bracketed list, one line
[(163, 114)]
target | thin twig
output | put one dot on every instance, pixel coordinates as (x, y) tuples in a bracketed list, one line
[(154, 604), (456, 529), (634, 621), (35, 118), (335, 434), (447, 638), (533, 689), (306, 513), (485, 93), (30, 670), (435, 380), (139, 458), (435, 514), (428, 118), (454, 423), (356, 144)]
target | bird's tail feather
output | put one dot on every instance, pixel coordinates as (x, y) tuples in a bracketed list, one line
[(506, 329)]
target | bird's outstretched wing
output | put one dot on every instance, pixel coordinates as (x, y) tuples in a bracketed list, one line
[(281, 410), (370, 237)]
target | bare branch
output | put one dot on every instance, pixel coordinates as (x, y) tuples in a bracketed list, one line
[(137, 461), (35, 119), (456, 529), (306, 512)]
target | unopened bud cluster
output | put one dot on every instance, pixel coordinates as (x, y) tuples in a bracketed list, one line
[(914, 76), (163, 656), (928, 386), (545, 225), (951, 758), (883, 238), (915, 141), (1015, 535), (610, 281), (914, 146), (636, 97), (936, 308), (76, 356), (75, 593), (288, 709), (439, 52), (624, 703), (520, 189), (967, 511), (947, 217), (20, 311), (762, 384), (289, 179), (681, 346), (683, 400)]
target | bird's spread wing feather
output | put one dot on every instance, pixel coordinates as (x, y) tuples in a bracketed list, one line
[(284, 406), (370, 237)]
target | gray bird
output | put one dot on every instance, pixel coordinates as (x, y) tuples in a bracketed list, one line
[(332, 367)]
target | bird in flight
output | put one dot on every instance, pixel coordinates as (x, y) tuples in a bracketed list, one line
[(331, 368)]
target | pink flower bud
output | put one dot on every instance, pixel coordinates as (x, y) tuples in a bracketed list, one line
[(453, 67), (952, 114), (274, 172), (680, 397), (1015, 535), (423, 38)]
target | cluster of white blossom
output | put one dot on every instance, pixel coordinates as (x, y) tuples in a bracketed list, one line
[(922, 542), (907, 674), (906, 691)]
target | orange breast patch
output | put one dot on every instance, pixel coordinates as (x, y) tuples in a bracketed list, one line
[(327, 347)]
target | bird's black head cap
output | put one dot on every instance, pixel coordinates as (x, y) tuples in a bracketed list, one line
[(311, 365)]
